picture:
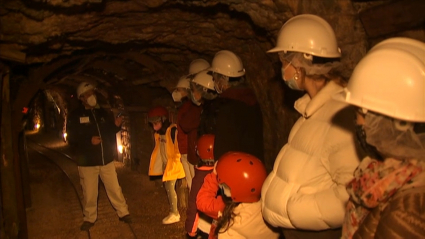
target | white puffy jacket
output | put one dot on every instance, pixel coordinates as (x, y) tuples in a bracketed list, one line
[(306, 189), (248, 223)]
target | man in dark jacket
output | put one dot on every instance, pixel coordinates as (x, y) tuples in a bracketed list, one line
[(237, 114), (92, 133)]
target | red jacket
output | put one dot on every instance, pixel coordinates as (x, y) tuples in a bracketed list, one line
[(192, 215), (188, 121), (207, 200), (182, 136)]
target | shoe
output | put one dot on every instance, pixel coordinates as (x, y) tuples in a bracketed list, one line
[(126, 219), (86, 226), (171, 218)]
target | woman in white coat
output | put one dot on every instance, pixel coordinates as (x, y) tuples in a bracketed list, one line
[(305, 193)]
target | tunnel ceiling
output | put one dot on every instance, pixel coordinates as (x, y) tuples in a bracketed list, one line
[(151, 42), (132, 43), (139, 49)]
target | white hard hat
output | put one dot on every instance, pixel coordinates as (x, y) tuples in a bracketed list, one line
[(308, 34), (184, 82), (204, 79), (83, 88), (403, 43), (390, 80), (227, 63), (198, 65)]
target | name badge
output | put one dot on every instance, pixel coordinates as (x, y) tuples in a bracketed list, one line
[(84, 120)]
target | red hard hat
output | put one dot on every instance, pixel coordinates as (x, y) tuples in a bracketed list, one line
[(157, 113), (205, 146), (243, 173)]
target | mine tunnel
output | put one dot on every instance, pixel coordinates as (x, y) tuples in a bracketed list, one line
[(135, 52)]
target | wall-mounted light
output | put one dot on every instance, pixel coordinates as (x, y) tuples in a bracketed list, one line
[(64, 136), (37, 126), (120, 147)]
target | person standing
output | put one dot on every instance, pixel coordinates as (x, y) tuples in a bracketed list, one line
[(236, 113), (188, 119), (387, 193), (180, 95), (197, 223), (165, 158), (203, 94), (92, 133), (305, 192)]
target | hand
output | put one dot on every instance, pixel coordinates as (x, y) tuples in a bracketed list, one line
[(95, 140), (118, 121)]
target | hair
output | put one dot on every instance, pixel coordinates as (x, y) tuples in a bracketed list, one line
[(232, 81), (333, 75), (236, 80), (323, 60), (209, 94), (228, 216)]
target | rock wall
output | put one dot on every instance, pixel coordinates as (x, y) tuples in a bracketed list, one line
[(139, 49)]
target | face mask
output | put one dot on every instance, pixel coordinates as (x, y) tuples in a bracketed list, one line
[(177, 96), (91, 100), (369, 149), (291, 83), (218, 89), (219, 80), (195, 101)]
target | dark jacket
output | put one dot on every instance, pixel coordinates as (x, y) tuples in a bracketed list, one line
[(208, 121), (235, 119), (182, 135), (192, 213), (82, 125), (188, 121)]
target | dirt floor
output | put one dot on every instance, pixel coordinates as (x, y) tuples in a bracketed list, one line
[(55, 212)]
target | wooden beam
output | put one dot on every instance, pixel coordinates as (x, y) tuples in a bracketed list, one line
[(393, 17), (12, 204), (9, 52)]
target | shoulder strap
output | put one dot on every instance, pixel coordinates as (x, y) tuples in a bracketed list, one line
[(173, 132)]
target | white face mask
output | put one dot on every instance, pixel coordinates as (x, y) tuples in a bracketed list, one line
[(177, 96), (291, 83), (91, 101), (218, 89), (195, 101), (219, 80)]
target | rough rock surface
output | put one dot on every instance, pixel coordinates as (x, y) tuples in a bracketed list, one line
[(135, 47)]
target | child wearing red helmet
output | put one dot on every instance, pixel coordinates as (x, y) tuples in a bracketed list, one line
[(198, 223), (239, 177)]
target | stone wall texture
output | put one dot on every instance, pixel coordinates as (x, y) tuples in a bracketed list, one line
[(139, 49)]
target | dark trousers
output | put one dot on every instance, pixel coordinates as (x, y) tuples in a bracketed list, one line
[(301, 234)]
